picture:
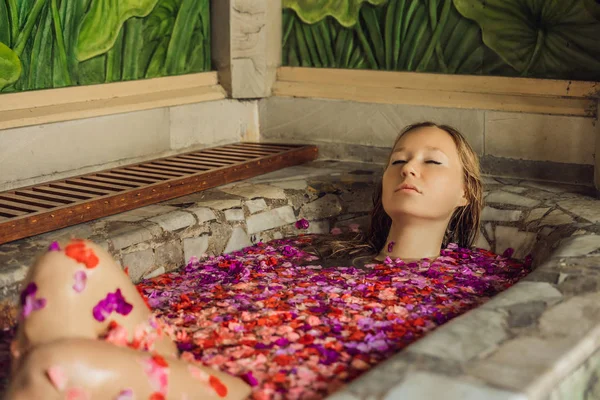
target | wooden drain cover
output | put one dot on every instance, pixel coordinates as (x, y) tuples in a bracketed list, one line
[(53, 205)]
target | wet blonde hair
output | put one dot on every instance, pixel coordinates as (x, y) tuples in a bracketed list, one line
[(462, 228)]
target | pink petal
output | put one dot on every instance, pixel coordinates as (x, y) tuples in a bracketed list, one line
[(126, 394), (80, 281), (78, 394), (57, 377), (198, 374)]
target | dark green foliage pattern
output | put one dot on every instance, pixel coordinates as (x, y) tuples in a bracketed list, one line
[(545, 38), (57, 43)]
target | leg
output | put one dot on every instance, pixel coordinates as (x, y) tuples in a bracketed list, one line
[(103, 371), (63, 289)]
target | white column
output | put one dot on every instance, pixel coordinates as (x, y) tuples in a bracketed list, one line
[(246, 45)]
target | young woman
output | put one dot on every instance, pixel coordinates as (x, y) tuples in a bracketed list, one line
[(86, 333), (430, 195)]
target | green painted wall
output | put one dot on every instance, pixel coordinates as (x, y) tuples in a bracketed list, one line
[(56, 43), (533, 38)]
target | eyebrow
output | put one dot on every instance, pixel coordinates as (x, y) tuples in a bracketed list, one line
[(428, 148)]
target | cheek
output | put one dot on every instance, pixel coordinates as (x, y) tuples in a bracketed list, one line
[(447, 186)]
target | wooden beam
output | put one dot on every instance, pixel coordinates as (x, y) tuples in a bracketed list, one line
[(28, 112), (442, 82), (576, 106)]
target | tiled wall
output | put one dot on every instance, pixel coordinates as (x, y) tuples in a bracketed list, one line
[(506, 135), (39, 153)]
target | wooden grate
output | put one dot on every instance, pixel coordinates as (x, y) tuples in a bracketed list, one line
[(53, 205)]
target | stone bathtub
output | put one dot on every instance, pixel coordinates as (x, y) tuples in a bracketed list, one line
[(540, 339)]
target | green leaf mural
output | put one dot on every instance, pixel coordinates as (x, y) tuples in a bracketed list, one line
[(344, 11), (58, 43), (10, 66), (405, 35), (539, 38), (102, 24)]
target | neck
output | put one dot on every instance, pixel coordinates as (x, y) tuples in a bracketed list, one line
[(414, 240)]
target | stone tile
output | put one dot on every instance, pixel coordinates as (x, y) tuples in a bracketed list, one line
[(270, 219), (586, 208), (238, 240), (514, 189), (464, 337), (509, 237), (578, 246), (217, 204), (153, 274), (548, 187), (494, 214), (170, 255), (524, 292), (540, 137), (519, 364), (12, 273), (489, 229), (80, 231), (204, 214), (139, 263), (141, 213), (419, 385), (299, 172), (536, 214), (501, 197), (256, 191), (324, 207), (581, 384), (174, 220), (318, 227), (489, 180), (343, 395), (234, 214), (255, 206), (556, 217), (525, 315), (355, 123), (482, 243), (299, 184), (229, 120), (545, 231), (357, 201), (129, 235), (194, 247), (573, 318)]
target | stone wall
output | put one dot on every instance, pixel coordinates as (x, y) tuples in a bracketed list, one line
[(536, 146)]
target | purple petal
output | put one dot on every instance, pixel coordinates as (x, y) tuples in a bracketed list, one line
[(508, 252), (250, 379), (302, 224), (30, 290), (80, 281), (54, 246), (391, 246)]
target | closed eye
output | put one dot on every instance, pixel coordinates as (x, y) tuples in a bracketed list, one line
[(433, 162), (398, 162)]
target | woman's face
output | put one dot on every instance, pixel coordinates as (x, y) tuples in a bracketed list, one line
[(424, 178)]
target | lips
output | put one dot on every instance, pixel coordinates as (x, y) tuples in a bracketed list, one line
[(408, 187)]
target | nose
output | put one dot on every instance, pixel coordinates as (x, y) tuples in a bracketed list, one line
[(409, 169)]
